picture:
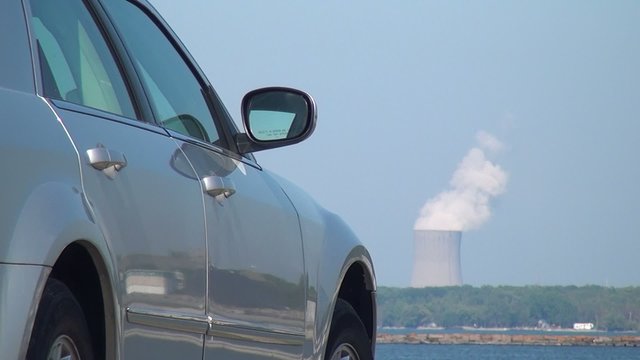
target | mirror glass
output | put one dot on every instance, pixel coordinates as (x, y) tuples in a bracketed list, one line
[(277, 115)]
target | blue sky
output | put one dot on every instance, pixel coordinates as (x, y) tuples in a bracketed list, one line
[(404, 87)]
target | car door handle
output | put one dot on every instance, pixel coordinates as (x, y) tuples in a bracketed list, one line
[(102, 158), (216, 186)]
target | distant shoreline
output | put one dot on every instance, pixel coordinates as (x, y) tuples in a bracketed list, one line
[(509, 339)]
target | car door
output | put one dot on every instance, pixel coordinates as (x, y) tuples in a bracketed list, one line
[(256, 280), (146, 202), (257, 283)]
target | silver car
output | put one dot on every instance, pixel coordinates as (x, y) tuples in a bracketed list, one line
[(135, 221)]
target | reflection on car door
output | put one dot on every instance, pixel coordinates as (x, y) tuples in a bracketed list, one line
[(256, 269), (150, 214)]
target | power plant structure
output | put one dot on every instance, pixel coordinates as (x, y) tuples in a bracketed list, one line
[(436, 258)]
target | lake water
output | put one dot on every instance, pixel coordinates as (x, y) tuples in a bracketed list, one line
[(402, 331), (503, 352)]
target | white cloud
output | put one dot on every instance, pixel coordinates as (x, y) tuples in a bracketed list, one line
[(467, 204), (488, 141)]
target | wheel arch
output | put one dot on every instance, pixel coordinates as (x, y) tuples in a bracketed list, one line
[(344, 271), (67, 241), (357, 286), (358, 289), (82, 269)]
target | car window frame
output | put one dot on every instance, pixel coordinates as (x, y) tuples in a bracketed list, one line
[(113, 51), (125, 67), (222, 122)]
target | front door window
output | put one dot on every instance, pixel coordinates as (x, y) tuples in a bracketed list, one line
[(176, 96)]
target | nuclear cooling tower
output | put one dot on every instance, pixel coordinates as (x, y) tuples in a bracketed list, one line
[(436, 258)]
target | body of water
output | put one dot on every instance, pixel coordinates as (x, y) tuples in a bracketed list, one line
[(402, 331), (500, 352)]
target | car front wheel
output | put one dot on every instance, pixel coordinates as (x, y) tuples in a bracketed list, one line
[(60, 330), (348, 338)]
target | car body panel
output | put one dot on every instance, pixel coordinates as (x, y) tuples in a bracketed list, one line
[(151, 218), (251, 274), (41, 172), (17, 312), (257, 283), (330, 249), (257, 270)]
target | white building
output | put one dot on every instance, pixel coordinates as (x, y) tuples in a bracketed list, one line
[(583, 326)]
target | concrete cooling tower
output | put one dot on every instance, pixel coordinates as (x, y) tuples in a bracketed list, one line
[(436, 258)]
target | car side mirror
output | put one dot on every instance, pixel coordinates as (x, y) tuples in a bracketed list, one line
[(275, 117)]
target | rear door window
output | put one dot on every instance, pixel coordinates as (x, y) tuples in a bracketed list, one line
[(76, 63)]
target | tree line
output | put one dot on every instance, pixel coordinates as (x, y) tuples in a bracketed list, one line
[(614, 309)]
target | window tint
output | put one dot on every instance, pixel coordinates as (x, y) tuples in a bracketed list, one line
[(175, 94), (75, 60)]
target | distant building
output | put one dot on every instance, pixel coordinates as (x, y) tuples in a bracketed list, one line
[(436, 258), (583, 326)]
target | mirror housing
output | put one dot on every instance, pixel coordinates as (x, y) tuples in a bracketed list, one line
[(274, 117)]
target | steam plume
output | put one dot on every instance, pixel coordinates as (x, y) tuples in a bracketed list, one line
[(466, 205)]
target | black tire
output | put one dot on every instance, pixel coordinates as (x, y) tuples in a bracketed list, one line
[(347, 338), (60, 328)]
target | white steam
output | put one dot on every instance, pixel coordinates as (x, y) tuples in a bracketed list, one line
[(466, 205)]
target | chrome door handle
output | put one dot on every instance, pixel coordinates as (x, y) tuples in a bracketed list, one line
[(217, 186), (102, 158)]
